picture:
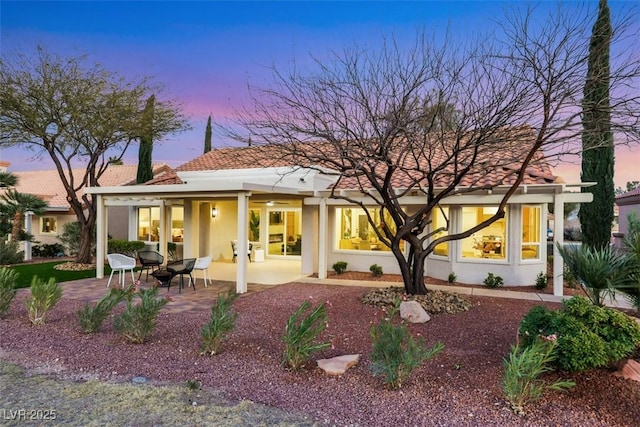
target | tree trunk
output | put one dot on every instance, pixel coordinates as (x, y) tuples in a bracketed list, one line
[(17, 226), (85, 253), (412, 268)]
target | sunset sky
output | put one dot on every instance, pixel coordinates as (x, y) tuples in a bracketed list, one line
[(206, 52)]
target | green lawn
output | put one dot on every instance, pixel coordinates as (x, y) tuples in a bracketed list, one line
[(45, 270)]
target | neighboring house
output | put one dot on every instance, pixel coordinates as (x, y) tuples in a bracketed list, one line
[(286, 213), (627, 203), (46, 184)]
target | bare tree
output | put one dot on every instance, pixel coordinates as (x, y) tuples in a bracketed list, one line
[(76, 114), (380, 121)]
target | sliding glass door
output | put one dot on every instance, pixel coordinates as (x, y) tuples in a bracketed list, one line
[(285, 232)]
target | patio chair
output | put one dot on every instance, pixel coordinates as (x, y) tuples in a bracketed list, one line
[(121, 263), (180, 268), (150, 260), (234, 247), (203, 264)]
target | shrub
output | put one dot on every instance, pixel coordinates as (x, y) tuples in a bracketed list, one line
[(340, 267), (541, 281), (589, 336), (376, 270), (44, 296), (222, 322), (48, 250), (522, 369), (72, 236), (452, 277), (300, 335), (138, 321), (91, 318), (395, 353), (599, 271), (126, 247), (492, 281), (8, 291), (10, 253)]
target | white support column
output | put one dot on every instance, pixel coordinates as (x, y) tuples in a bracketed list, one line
[(101, 236), (558, 239), (164, 230), (28, 218), (243, 243), (322, 239)]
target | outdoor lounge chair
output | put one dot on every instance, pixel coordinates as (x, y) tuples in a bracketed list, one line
[(203, 264), (121, 263), (173, 269), (150, 260), (234, 247)]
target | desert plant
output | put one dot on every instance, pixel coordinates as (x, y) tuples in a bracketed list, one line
[(589, 336), (44, 296), (222, 322), (521, 383), (599, 271), (92, 317), (541, 281), (138, 321), (10, 253), (492, 281), (395, 353), (340, 267), (452, 277), (301, 333), (376, 270), (8, 291)]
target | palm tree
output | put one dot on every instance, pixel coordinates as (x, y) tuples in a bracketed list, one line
[(15, 204), (7, 179)]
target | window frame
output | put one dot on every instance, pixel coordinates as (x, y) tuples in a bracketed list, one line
[(539, 235), (504, 244), (42, 223)]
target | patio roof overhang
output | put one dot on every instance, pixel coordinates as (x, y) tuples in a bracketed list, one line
[(532, 193)]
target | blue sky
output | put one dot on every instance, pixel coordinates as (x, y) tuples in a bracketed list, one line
[(205, 52)]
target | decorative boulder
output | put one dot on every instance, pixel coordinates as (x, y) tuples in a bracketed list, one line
[(338, 365), (629, 370), (413, 312)]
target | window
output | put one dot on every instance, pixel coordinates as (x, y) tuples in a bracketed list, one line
[(488, 243), (149, 224), (531, 232), (48, 225), (354, 232), (177, 223), (440, 220)]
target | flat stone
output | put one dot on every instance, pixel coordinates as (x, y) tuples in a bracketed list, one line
[(139, 380), (338, 365), (413, 312), (629, 370)]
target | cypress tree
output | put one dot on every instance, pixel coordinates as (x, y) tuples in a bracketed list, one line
[(596, 217), (207, 136), (145, 168)]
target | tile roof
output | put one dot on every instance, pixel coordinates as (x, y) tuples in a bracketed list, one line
[(47, 185), (633, 194), (493, 165)]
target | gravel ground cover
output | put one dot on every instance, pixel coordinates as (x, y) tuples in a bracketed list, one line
[(460, 386)]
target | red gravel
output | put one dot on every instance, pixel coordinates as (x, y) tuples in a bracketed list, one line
[(460, 386)]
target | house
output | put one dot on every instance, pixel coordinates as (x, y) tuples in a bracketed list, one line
[(627, 203), (285, 211), (47, 185)]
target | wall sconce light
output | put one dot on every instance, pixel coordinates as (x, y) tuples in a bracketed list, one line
[(214, 212)]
